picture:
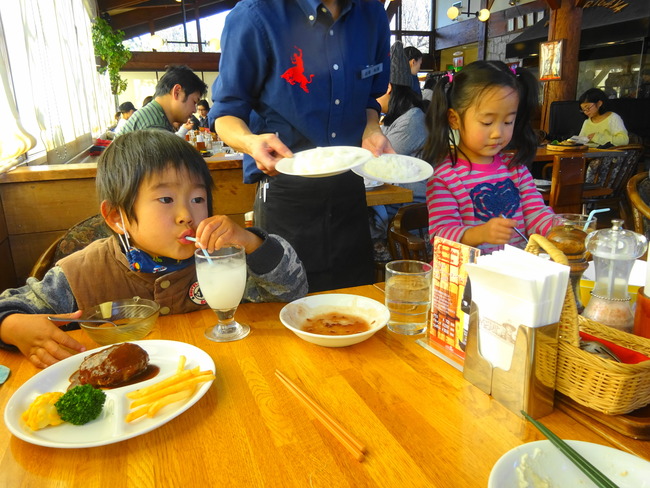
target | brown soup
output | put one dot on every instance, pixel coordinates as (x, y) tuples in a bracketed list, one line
[(334, 323)]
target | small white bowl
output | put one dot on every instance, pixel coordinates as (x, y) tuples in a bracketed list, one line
[(295, 313)]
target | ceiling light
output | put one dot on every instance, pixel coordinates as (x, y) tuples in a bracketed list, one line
[(483, 15), (156, 42), (454, 11), (215, 44)]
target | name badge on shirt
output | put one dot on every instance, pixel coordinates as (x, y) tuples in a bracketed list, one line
[(371, 70)]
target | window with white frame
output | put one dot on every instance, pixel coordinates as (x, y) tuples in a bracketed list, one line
[(60, 97)]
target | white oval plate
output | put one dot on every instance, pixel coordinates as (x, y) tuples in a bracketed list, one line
[(372, 184), (395, 168), (323, 161), (544, 462), (110, 426)]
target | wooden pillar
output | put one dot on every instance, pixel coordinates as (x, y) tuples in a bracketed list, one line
[(565, 23)]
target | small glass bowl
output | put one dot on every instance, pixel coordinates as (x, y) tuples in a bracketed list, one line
[(135, 318)]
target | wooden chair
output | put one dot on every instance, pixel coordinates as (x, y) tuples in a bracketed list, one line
[(638, 194), (568, 176), (606, 179), (75, 239), (408, 234)]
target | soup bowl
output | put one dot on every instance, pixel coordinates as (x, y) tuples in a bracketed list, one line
[(135, 319), (295, 314)]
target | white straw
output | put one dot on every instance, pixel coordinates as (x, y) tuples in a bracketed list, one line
[(591, 215), (205, 253)]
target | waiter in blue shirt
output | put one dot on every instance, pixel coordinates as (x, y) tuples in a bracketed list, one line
[(298, 74)]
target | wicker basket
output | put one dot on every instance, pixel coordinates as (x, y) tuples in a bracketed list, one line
[(604, 385)]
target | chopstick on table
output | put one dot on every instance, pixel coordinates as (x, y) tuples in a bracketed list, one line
[(585, 466), (344, 437)]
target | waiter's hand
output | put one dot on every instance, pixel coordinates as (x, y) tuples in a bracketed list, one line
[(267, 150), (373, 138)]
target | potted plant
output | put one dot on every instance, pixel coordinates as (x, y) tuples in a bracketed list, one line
[(109, 48)]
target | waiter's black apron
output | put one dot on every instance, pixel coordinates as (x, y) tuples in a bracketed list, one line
[(326, 221)]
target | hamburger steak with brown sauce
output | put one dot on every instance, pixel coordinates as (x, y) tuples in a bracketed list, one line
[(112, 366)]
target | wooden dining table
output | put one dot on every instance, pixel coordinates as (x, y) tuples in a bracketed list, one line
[(568, 169), (422, 423)]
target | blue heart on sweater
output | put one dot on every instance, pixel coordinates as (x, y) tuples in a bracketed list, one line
[(495, 199)]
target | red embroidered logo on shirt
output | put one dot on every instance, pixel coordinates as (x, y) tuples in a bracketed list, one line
[(296, 74)]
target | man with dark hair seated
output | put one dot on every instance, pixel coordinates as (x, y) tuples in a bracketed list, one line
[(175, 99)]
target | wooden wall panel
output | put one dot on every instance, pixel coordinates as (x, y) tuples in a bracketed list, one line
[(231, 196), (48, 205), (3, 224)]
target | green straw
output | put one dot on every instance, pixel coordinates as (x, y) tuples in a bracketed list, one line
[(585, 466)]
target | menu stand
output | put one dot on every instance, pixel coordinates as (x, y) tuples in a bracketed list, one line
[(529, 384)]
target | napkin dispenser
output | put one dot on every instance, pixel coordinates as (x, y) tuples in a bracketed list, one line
[(529, 384)]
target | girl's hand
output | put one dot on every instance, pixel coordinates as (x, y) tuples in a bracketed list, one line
[(41, 341), (498, 230), (220, 231), (495, 231)]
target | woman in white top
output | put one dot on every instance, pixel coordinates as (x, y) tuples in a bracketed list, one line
[(601, 126)]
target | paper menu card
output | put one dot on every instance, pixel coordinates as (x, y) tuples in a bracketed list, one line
[(513, 288), (450, 298)]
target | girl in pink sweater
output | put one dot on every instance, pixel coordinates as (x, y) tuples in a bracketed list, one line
[(478, 195)]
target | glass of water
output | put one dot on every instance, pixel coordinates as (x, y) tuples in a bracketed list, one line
[(408, 296)]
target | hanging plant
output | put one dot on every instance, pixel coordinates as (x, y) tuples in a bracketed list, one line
[(108, 46)]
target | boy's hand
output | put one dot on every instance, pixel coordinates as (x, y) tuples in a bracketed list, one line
[(41, 341), (220, 231)]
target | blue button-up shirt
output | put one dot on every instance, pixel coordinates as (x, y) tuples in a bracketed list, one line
[(288, 68)]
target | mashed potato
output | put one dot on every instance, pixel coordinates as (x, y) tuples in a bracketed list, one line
[(328, 159), (392, 167)]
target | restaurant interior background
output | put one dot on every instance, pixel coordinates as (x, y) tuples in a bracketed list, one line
[(64, 104), (56, 103)]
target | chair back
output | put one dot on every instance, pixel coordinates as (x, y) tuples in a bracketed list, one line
[(408, 233), (566, 184), (75, 239), (638, 195), (607, 178), (565, 119)]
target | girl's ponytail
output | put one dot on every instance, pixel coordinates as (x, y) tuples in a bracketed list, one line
[(524, 139), (437, 145)]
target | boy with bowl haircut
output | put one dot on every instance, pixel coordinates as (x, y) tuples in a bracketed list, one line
[(155, 191)]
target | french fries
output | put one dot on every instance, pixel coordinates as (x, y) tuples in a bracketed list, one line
[(180, 386)]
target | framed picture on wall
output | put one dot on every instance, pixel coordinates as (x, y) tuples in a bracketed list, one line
[(550, 60)]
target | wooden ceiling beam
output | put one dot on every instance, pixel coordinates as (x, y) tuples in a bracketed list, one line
[(142, 16), (107, 5), (156, 61)]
